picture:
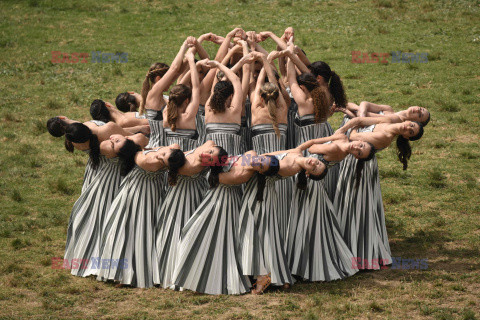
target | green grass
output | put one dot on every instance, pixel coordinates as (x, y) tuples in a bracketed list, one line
[(432, 209)]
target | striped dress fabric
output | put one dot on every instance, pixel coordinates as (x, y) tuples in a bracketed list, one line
[(87, 220), (315, 248), (186, 138), (129, 234), (179, 205), (157, 134), (208, 256), (306, 129), (265, 140), (261, 243), (226, 135), (90, 173), (200, 124), (360, 211)]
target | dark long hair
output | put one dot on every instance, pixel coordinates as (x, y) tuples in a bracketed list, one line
[(80, 133), (127, 156), (217, 167), (320, 101), (404, 151), (56, 126), (126, 102), (302, 178), (221, 92), (273, 169), (335, 85), (99, 111), (361, 164), (176, 160)]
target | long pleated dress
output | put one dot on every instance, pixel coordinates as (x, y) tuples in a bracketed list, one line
[(306, 129), (157, 133), (265, 140), (90, 173), (180, 203), (315, 247), (130, 229), (87, 220), (208, 257), (200, 124), (261, 243), (360, 212)]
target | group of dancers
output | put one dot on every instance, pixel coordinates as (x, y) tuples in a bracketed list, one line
[(234, 181)]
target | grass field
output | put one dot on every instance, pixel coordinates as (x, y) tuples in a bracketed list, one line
[(432, 209)]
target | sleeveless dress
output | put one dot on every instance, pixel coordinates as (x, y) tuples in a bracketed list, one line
[(200, 124), (265, 140), (87, 220), (261, 243), (315, 247), (89, 171), (129, 235), (179, 205), (208, 256), (157, 135), (226, 135), (360, 212)]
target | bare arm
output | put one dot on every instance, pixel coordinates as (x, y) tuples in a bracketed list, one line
[(192, 107), (164, 83), (362, 122)]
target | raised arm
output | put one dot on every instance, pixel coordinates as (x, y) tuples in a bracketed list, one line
[(297, 92), (237, 99), (164, 83), (192, 107), (309, 143), (222, 51)]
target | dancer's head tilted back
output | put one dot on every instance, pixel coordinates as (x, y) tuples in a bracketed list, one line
[(99, 111), (127, 102), (80, 133), (216, 164), (314, 169), (267, 166), (362, 156), (410, 131)]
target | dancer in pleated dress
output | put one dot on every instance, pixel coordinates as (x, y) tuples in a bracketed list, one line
[(179, 117), (269, 125), (180, 203), (313, 250), (87, 221), (261, 244), (100, 131), (208, 257), (129, 234), (153, 101), (358, 202), (223, 112)]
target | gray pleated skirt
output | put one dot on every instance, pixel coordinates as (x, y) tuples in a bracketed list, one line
[(269, 142), (315, 247), (208, 257), (360, 213), (87, 220), (180, 203), (261, 243), (129, 235)]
